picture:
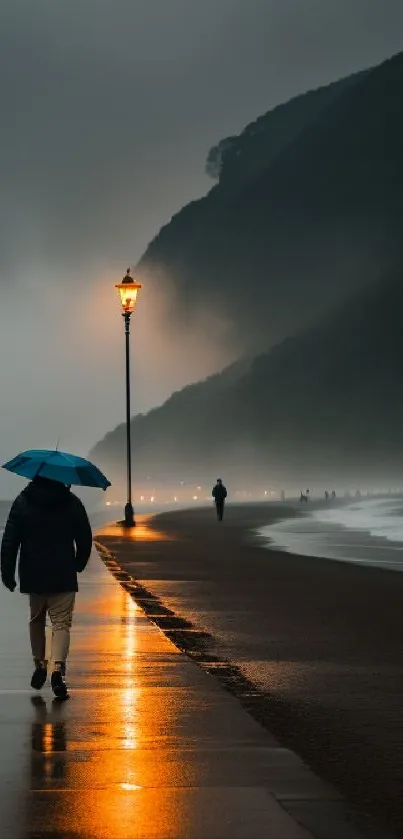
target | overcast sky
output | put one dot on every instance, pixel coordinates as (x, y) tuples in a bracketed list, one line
[(108, 111)]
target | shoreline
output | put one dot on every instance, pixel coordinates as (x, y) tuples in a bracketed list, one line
[(318, 641), (363, 532)]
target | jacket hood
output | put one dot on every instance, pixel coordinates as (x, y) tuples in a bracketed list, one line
[(47, 493)]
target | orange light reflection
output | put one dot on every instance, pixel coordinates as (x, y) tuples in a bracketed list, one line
[(102, 750), (143, 532)]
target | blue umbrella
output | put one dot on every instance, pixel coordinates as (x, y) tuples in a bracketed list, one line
[(58, 466)]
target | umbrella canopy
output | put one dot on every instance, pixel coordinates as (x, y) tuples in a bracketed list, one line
[(58, 466)]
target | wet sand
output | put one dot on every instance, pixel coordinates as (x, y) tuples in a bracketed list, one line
[(323, 640)]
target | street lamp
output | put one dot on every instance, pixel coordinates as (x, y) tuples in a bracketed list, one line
[(128, 290)]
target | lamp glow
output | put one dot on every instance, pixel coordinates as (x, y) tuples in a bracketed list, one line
[(128, 290)]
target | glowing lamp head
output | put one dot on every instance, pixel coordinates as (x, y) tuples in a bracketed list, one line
[(128, 290)]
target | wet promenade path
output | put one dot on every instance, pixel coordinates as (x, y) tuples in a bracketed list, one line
[(227, 775), (148, 746)]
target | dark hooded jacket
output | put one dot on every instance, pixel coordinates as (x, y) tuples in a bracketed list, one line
[(50, 528)]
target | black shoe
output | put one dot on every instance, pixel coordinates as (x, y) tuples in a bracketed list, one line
[(59, 686), (39, 678)]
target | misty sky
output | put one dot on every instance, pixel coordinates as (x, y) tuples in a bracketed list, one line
[(109, 108)]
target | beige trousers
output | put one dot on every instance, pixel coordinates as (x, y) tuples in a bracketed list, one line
[(60, 608)]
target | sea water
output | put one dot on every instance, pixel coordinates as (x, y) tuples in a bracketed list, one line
[(368, 532)]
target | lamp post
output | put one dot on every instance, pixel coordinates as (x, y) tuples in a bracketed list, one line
[(128, 290)]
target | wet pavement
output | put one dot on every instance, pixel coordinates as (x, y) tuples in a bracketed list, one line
[(321, 640), (148, 746), (231, 771)]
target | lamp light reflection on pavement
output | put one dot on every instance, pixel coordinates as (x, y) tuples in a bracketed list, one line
[(101, 764)]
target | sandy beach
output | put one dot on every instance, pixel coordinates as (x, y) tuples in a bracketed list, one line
[(322, 639)]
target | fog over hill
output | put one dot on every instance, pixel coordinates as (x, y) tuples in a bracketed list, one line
[(308, 207), (326, 403), (298, 248)]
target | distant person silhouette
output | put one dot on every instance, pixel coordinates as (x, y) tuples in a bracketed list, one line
[(219, 494)]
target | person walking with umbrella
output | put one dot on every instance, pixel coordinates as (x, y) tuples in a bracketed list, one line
[(49, 528)]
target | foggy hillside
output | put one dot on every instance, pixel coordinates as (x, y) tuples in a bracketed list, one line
[(325, 402), (308, 207), (299, 244)]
